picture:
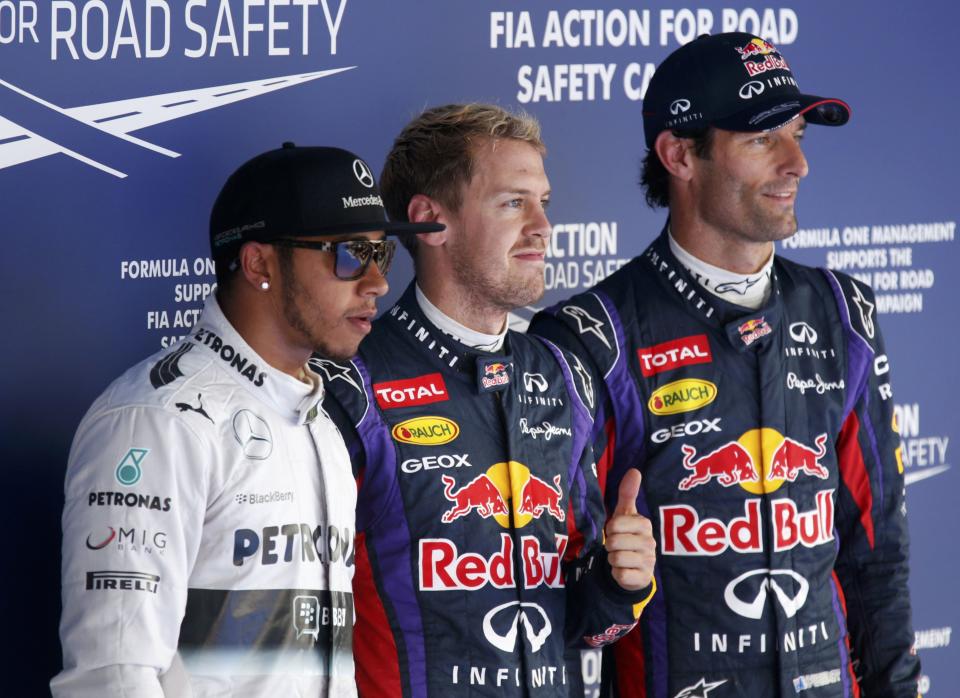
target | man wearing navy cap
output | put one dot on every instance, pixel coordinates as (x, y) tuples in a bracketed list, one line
[(209, 503), (754, 396)]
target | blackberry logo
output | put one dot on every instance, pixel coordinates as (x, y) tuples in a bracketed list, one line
[(241, 498)]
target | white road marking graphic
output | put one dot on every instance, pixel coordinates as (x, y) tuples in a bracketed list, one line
[(19, 145)]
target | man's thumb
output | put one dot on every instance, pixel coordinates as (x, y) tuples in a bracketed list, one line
[(627, 492)]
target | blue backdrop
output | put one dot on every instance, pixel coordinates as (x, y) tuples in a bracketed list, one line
[(120, 119)]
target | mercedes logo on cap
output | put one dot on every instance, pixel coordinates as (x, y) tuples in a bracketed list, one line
[(679, 106), (363, 173)]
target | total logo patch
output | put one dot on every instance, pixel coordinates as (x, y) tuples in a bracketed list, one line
[(674, 354), (409, 392), (682, 396), (426, 431)]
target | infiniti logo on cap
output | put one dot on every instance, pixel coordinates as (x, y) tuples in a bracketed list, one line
[(363, 173), (678, 106), (751, 89)]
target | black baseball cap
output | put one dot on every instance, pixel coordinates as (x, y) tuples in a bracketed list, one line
[(300, 191), (734, 81)]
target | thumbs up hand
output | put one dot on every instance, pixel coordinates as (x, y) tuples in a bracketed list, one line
[(631, 549)]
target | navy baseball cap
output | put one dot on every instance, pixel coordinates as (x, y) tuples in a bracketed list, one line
[(734, 81), (300, 191)]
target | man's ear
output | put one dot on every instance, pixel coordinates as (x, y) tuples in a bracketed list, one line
[(423, 209), (257, 264), (676, 154)]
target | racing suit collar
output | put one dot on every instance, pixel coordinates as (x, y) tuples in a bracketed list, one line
[(468, 364), (745, 328), (296, 400)]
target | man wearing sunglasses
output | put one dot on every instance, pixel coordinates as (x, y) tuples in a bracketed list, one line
[(208, 522), (480, 563)]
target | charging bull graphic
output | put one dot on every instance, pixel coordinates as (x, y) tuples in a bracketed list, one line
[(538, 495), (792, 458), (480, 494), (731, 464)]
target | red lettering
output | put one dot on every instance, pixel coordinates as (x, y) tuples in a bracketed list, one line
[(684, 533), (808, 528)]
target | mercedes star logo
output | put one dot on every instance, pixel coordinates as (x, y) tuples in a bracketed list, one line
[(754, 609), (253, 435), (803, 333), (679, 106), (751, 89), (507, 641), (363, 173)]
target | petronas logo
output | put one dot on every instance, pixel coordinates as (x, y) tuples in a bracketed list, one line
[(128, 471)]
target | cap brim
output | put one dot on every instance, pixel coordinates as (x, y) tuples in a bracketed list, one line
[(773, 113), (388, 227)]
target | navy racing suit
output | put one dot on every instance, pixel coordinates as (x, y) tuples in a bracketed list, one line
[(480, 567), (772, 476)]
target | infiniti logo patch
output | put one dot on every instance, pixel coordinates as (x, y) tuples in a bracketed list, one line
[(746, 585)]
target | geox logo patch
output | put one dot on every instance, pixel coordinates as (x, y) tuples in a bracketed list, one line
[(167, 369)]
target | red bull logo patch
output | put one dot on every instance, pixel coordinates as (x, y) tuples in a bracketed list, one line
[(753, 329), (426, 431), (505, 489), (495, 375), (682, 396), (760, 461)]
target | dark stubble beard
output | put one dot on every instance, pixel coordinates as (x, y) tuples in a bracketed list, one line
[(292, 290)]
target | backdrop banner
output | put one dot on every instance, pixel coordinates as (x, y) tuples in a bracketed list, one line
[(121, 119)]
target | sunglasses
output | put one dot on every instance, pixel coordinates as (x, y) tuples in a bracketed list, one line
[(352, 256)]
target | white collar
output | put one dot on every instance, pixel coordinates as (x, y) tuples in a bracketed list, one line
[(749, 290), (464, 335), (296, 399)]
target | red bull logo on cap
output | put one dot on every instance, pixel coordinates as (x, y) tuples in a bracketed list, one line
[(760, 461), (505, 489), (756, 47)]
